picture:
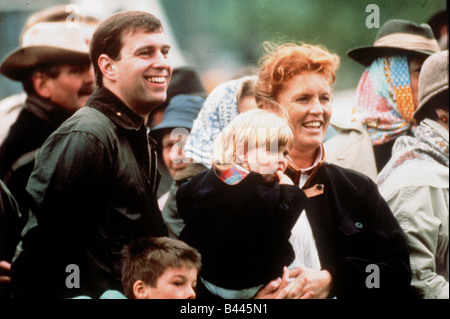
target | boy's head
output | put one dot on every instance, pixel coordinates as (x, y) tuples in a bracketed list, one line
[(160, 268), (257, 139)]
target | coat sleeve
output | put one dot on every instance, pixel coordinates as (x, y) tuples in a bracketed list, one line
[(417, 211)]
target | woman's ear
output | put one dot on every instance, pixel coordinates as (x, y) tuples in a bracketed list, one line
[(139, 290), (108, 67)]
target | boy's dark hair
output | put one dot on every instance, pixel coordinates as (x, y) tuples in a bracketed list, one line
[(108, 37), (147, 259)]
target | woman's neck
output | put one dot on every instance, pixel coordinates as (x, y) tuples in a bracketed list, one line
[(303, 159)]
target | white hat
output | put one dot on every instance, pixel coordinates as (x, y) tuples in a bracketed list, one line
[(46, 43)]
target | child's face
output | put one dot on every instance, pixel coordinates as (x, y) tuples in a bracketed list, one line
[(174, 283), (267, 163), (172, 152)]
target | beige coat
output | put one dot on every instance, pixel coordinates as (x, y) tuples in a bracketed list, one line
[(351, 148), (417, 191)]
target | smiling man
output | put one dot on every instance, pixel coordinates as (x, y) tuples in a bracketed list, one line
[(93, 189)]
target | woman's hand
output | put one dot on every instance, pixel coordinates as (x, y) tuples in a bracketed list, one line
[(281, 288), (317, 281)]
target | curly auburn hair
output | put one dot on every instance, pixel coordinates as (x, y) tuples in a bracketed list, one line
[(283, 62)]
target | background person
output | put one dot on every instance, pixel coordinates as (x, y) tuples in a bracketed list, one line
[(11, 106), (415, 182), (171, 134), (54, 67), (387, 92)]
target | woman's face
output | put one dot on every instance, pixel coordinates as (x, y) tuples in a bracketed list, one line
[(307, 98)]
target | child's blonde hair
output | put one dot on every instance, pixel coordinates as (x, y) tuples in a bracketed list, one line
[(255, 128)]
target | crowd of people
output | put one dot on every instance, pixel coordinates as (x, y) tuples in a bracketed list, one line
[(122, 178)]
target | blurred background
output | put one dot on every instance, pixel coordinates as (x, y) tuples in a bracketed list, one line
[(222, 37)]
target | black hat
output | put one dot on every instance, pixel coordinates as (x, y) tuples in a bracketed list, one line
[(398, 37)]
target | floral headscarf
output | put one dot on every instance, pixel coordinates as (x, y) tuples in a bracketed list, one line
[(218, 110), (385, 102)]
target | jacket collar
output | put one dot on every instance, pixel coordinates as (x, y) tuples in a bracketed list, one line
[(46, 110), (296, 171), (109, 104)]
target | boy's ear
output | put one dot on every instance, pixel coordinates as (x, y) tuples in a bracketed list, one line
[(139, 290)]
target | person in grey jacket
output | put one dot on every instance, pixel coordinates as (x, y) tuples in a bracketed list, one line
[(415, 182), (93, 188)]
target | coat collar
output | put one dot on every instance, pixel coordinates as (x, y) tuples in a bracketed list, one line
[(109, 104), (295, 172), (46, 110)]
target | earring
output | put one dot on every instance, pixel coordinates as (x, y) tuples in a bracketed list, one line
[(443, 118)]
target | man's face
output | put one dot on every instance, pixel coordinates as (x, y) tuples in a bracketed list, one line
[(72, 87), (142, 73)]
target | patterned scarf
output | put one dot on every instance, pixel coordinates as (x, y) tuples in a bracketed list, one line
[(385, 101), (427, 145), (218, 110)]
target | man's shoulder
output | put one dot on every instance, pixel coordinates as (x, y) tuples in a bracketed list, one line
[(88, 120)]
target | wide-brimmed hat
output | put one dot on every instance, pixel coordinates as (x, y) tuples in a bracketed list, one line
[(397, 37), (181, 112), (45, 43), (433, 80)]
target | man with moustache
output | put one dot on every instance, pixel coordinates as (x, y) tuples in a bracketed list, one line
[(93, 188), (54, 67)]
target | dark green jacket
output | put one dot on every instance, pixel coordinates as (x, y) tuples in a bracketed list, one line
[(93, 190)]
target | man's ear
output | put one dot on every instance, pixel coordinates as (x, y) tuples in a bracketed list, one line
[(41, 84), (107, 67), (139, 290)]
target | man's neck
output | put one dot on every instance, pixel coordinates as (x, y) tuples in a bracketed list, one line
[(136, 109)]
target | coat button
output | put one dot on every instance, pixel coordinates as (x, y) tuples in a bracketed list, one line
[(359, 225)]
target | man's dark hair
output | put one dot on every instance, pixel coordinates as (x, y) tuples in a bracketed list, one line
[(108, 37)]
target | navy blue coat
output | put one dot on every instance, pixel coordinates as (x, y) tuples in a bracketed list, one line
[(354, 229)]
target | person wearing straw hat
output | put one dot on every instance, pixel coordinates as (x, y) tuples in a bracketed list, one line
[(415, 182), (93, 187), (387, 92), (11, 106), (54, 67)]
